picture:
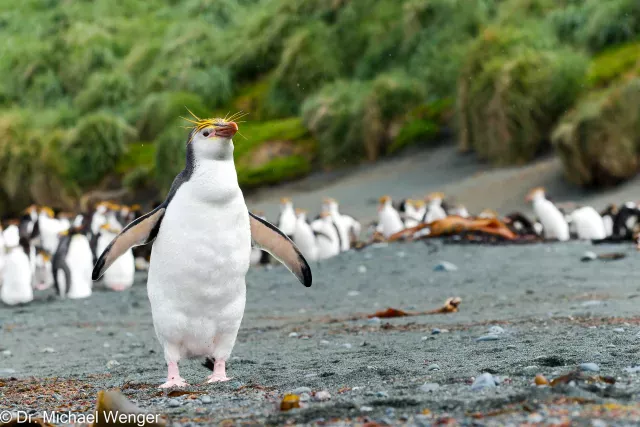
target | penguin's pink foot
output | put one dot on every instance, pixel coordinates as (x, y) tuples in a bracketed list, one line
[(118, 288), (219, 372), (173, 377), (174, 382), (213, 378), (41, 286)]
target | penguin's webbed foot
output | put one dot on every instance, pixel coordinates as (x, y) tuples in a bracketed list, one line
[(215, 378), (174, 382)]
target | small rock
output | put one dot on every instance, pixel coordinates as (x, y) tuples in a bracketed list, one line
[(611, 346), (6, 353), (322, 396), (300, 390), (429, 387), (106, 345), (589, 256), (598, 423), (535, 418), (433, 367), (112, 364), (47, 350), (541, 380), (530, 369), (129, 334), (589, 367), (305, 397), (353, 293), (6, 371), (374, 321), (618, 330), (488, 338), (435, 331), (632, 369), (324, 342), (424, 338), (591, 303), (347, 345), (382, 394), (293, 335), (445, 266), (366, 409), (496, 330), (485, 380), (401, 254), (206, 399), (362, 269), (390, 412), (173, 403), (512, 347)]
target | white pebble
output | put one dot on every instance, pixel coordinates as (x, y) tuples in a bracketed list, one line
[(429, 387), (293, 335), (47, 350), (322, 396), (353, 293), (362, 269), (485, 380)]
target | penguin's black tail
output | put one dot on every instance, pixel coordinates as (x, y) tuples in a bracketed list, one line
[(208, 363)]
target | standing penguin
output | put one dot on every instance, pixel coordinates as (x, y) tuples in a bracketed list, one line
[(305, 237), (435, 210), (553, 222), (328, 239), (348, 227), (121, 274), (608, 218), (202, 236), (287, 219), (16, 274), (389, 220), (72, 263), (588, 224)]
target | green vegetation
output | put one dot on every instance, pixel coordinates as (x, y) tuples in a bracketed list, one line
[(326, 83)]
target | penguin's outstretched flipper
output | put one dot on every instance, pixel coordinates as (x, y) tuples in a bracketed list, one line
[(142, 231), (269, 238)]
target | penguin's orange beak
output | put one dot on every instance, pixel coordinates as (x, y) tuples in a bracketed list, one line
[(227, 130)]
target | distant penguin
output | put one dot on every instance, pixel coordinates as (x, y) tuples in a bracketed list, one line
[(49, 228), (304, 236), (554, 225), (625, 221), (520, 224), (348, 228), (488, 214), (411, 215), (588, 224), (202, 235), (72, 264), (459, 210), (43, 275), (328, 240), (608, 217), (435, 211), (16, 274), (121, 274), (287, 218), (389, 219)]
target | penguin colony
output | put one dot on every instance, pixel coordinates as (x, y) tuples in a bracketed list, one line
[(60, 249)]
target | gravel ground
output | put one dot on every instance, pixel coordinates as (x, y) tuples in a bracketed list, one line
[(539, 308)]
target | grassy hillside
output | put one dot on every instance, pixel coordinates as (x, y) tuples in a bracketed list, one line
[(91, 91)]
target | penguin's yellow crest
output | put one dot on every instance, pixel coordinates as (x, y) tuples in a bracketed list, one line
[(199, 124), (384, 199)]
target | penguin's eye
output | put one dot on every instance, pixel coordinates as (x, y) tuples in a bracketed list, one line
[(206, 133)]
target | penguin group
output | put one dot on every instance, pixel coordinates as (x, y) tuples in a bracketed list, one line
[(325, 236), (551, 222), (43, 249)]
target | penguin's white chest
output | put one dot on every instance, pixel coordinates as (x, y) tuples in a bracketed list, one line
[(121, 273), (80, 261), (390, 221), (199, 260)]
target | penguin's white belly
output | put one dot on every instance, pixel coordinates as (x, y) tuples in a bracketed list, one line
[(589, 224), (122, 271), (304, 238), (199, 260), (16, 279), (80, 262), (390, 221), (553, 222)]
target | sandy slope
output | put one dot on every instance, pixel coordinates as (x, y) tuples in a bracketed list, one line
[(461, 177)]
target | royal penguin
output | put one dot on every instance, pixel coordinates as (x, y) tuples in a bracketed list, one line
[(608, 217), (304, 236), (435, 210), (389, 221), (43, 275), (328, 238), (554, 225), (49, 228), (588, 224), (202, 235), (72, 265), (16, 274), (411, 215), (287, 218), (121, 274), (459, 210), (625, 221), (348, 228)]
